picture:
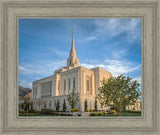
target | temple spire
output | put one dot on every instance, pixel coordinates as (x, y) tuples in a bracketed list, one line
[(73, 51), (72, 61)]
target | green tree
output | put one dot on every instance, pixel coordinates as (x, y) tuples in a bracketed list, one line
[(57, 105), (95, 103), (73, 99), (26, 105), (64, 105), (118, 92), (31, 106), (85, 105)]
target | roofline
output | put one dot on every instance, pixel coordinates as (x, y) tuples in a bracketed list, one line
[(100, 68), (43, 78)]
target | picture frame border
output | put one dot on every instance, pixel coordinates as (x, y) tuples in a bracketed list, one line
[(9, 18)]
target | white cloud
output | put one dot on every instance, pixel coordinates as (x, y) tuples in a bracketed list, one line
[(138, 79), (116, 67), (87, 65), (115, 27), (43, 68), (23, 68), (119, 54), (91, 38), (25, 84)]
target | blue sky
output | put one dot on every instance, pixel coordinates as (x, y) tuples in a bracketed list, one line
[(44, 46)]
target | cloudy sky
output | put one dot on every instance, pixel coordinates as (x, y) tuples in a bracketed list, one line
[(44, 46)]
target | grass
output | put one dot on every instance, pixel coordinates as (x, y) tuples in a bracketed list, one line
[(126, 114), (33, 114), (38, 114)]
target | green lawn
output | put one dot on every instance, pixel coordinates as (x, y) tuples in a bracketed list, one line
[(38, 114), (126, 114), (33, 114)]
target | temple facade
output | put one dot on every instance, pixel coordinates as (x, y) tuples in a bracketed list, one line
[(47, 91)]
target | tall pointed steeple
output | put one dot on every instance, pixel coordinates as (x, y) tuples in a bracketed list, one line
[(73, 51), (72, 61)]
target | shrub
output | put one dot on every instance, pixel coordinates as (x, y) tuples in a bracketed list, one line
[(131, 111), (103, 113), (57, 105), (113, 112), (92, 114), (95, 105), (32, 111), (85, 105), (47, 111), (98, 114), (74, 110), (23, 112), (89, 110), (64, 105)]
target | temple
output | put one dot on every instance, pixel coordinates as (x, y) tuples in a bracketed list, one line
[(47, 91)]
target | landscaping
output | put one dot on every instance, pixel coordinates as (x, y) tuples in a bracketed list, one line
[(49, 112), (45, 112), (114, 113)]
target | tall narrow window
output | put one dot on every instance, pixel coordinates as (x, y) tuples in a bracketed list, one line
[(87, 85), (69, 83), (55, 103), (50, 89), (64, 85), (33, 93), (50, 103), (36, 91), (73, 82)]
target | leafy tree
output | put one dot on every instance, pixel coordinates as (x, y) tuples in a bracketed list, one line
[(95, 104), (57, 105), (118, 92), (73, 99), (64, 105), (85, 105), (31, 105), (22, 106), (26, 105)]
